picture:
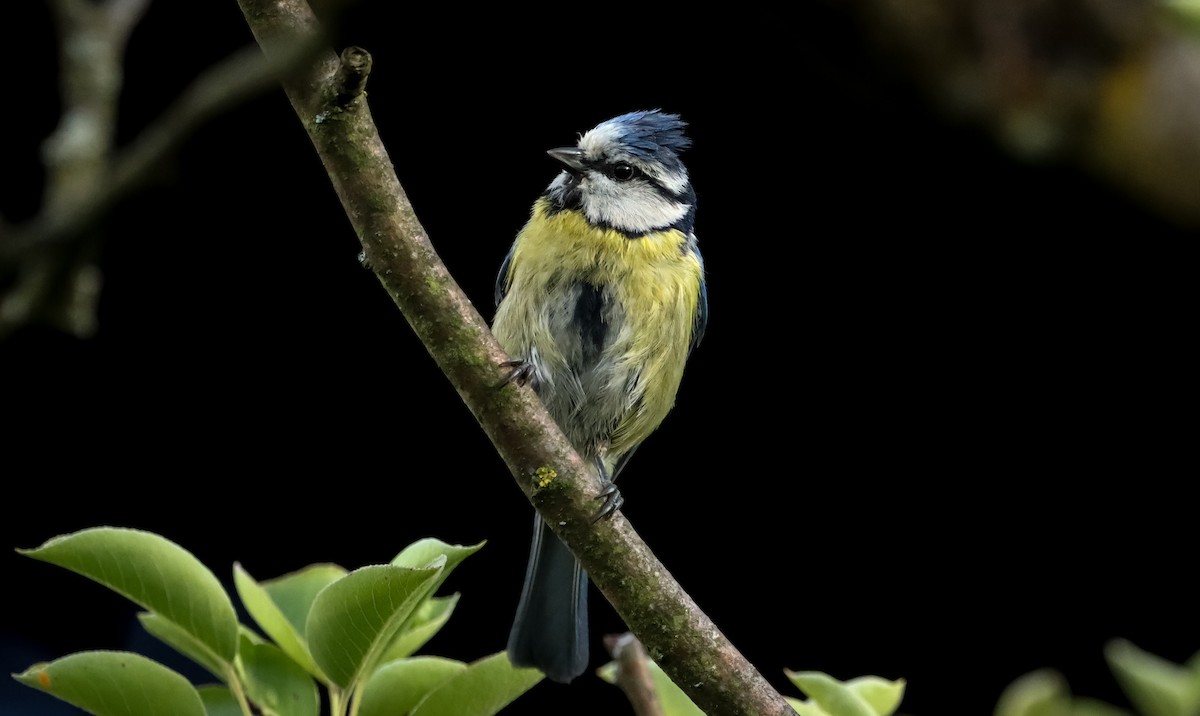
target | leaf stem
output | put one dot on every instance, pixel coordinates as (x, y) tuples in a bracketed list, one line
[(336, 706), (235, 687)]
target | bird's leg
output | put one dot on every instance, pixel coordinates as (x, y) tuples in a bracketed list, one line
[(610, 494), (522, 372)]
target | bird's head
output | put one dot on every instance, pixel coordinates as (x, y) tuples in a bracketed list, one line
[(626, 174)]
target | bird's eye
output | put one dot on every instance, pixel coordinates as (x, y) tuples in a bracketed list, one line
[(623, 172)]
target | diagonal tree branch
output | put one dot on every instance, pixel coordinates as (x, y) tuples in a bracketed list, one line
[(685, 643)]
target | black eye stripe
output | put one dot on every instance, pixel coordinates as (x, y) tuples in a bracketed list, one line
[(606, 166), (620, 171)]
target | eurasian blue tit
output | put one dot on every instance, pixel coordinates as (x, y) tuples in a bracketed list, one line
[(599, 302)]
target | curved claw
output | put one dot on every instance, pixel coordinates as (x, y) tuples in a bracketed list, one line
[(612, 502), (523, 373)]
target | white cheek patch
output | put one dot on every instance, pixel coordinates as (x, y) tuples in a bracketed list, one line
[(675, 182), (634, 207)]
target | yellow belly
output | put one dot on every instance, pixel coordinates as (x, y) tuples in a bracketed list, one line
[(652, 287)]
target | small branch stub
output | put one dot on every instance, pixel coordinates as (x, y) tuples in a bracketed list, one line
[(351, 79), (633, 673)]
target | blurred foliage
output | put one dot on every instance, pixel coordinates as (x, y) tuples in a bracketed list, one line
[(1154, 686), (1111, 85), (1185, 11)]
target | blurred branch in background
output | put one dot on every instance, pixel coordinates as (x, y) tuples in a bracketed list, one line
[(48, 271), (60, 284), (1111, 84)]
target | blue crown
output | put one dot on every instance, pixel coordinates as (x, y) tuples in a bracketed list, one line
[(653, 135)]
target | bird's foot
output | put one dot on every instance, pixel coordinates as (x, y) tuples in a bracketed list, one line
[(612, 502), (521, 372)]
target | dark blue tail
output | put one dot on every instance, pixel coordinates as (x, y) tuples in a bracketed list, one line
[(550, 631)]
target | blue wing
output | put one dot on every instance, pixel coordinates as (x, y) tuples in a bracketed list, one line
[(700, 321), (700, 324), (502, 277)]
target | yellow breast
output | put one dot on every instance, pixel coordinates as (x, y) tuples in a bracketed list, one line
[(654, 282)]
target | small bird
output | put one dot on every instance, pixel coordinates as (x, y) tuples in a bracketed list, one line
[(599, 302)]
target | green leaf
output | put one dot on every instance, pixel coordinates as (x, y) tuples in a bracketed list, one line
[(280, 686), (830, 694), (396, 687), (115, 683), (176, 637), (485, 687), (1093, 707), (804, 708), (1154, 685), (294, 593), (1038, 693), (280, 607), (354, 619), (884, 696), (1193, 665), (427, 620), (246, 633), (154, 572), (672, 699), (1187, 11), (218, 701), (424, 552)]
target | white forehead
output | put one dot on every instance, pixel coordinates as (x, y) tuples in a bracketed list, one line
[(604, 138)]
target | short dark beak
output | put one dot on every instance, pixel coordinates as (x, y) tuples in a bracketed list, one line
[(571, 156)]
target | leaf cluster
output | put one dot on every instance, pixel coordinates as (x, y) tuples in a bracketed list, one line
[(354, 633)]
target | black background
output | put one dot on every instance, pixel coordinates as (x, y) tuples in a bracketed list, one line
[(936, 429)]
